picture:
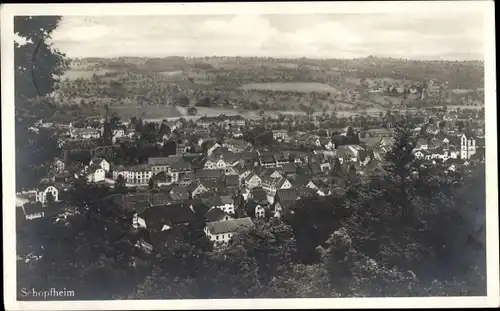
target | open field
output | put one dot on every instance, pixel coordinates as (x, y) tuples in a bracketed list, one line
[(128, 111), (73, 74), (303, 87)]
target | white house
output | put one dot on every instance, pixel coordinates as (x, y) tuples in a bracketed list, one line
[(220, 232), (235, 145), (59, 165), (253, 181), (198, 189), (215, 164), (419, 154), (312, 185), (100, 162), (212, 148), (422, 145), (260, 212), (219, 162), (96, 174), (117, 134), (41, 196), (355, 150), (138, 222), (324, 142), (243, 173), (271, 185), (280, 134), (224, 203)]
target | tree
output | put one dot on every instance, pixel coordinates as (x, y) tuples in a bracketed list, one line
[(153, 183), (337, 167), (164, 129), (183, 101), (38, 65), (400, 167), (139, 125), (120, 183), (169, 148), (352, 137), (353, 274), (271, 245), (149, 132), (50, 198)]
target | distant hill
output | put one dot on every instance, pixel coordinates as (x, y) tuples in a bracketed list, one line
[(458, 74)]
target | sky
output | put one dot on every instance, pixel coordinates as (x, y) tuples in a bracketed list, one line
[(456, 36)]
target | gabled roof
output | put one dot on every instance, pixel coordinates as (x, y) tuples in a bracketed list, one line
[(179, 193), (258, 194), (237, 142), (159, 215), (226, 199), (164, 160), (97, 160), (267, 158), (209, 174), (32, 208), (252, 175), (232, 180), (215, 214), (181, 165), (227, 226), (285, 195), (213, 201), (315, 168), (373, 141), (422, 142), (211, 184), (289, 168), (141, 206), (379, 131)]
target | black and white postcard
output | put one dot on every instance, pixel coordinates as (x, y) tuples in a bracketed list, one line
[(249, 155)]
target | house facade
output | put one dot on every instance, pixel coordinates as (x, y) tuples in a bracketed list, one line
[(96, 175), (137, 175), (253, 181), (221, 232), (280, 134), (41, 195), (101, 163)]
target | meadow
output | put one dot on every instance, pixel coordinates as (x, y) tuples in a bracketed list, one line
[(303, 87), (73, 74), (145, 112)]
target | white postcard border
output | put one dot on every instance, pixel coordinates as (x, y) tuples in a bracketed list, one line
[(8, 160)]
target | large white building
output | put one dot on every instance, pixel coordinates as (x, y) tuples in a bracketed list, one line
[(467, 147), (137, 175)]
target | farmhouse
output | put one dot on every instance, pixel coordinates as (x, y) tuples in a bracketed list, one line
[(220, 232)]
